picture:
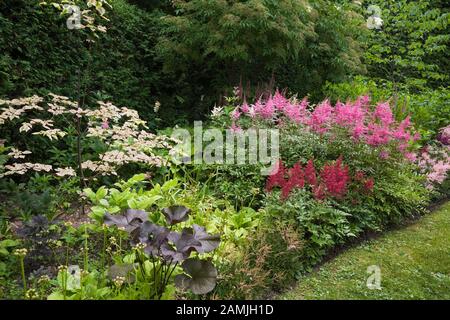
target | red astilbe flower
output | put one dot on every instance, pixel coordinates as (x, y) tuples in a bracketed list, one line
[(359, 175), (335, 178), (368, 184), (297, 176), (276, 179), (286, 179), (319, 191), (310, 173), (296, 180)]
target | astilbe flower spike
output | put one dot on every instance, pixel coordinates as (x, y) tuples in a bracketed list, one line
[(310, 173), (335, 178), (276, 179), (376, 127)]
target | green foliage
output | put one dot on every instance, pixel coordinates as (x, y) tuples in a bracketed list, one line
[(6, 256), (412, 45), (41, 55), (300, 43), (411, 259)]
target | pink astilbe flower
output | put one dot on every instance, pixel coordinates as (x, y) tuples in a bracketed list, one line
[(268, 110), (235, 114), (400, 133), (375, 128), (384, 114), (280, 101), (378, 135), (363, 100), (321, 117), (257, 107), (359, 131), (245, 108), (349, 115), (105, 124), (235, 128), (296, 112)]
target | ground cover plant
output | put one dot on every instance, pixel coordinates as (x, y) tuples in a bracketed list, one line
[(95, 204)]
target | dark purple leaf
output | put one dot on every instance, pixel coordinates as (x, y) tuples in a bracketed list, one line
[(176, 214), (207, 241), (200, 277)]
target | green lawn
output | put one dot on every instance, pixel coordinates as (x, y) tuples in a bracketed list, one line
[(414, 263)]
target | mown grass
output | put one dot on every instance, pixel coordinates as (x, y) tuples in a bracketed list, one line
[(414, 263)]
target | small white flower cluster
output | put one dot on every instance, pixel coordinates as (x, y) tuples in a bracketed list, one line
[(31, 294), (119, 281), (20, 252), (22, 168), (216, 112), (63, 172), (43, 279), (17, 154), (120, 129)]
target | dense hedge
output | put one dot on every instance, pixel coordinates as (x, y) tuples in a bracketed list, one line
[(143, 58)]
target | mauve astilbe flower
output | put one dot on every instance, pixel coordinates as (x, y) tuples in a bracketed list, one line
[(411, 156), (434, 161), (444, 135), (384, 154)]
